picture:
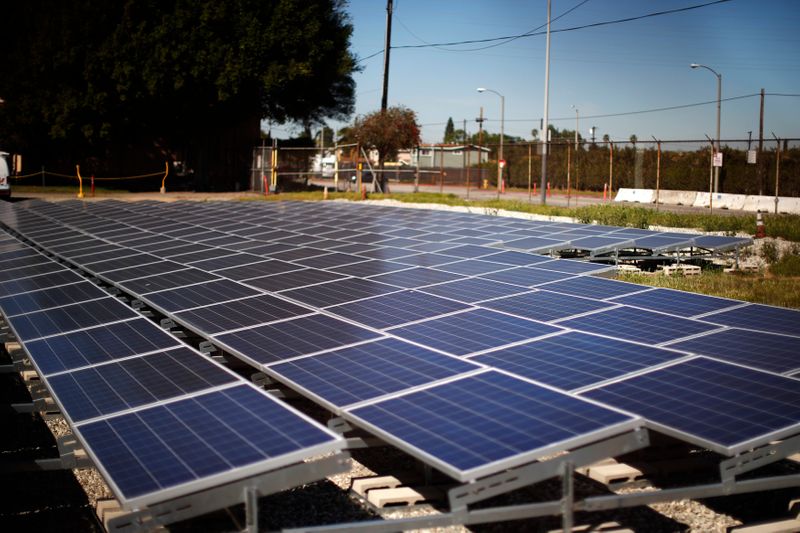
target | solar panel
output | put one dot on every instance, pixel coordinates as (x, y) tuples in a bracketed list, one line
[(761, 317), (415, 277), (720, 406), (386, 253), (24, 261), (526, 276), (69, 318), (142, 271), (97, 345), (574, 267), (765, 351), (340, 291), (638, 325), (473, 290), (28, 302), (677, 302), (123, 262), (226, 261), (212, 292), (240, 313), (545, 306), (396, 309), (28, 271), (173, 449), (574, 360), (509, 257), (299, 336), (293, 279), (330, 260), (254, 270), (597, 288), (168, 280), (535, 244), (472, 267), (350, 375), (480, 424), (122, 385), (472, 331)]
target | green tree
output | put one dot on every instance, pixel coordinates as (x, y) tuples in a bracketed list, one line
[(387, 132), (183, 79), (449, 131)]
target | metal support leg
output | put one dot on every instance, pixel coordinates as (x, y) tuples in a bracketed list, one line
[(567, 495), (251, 509)]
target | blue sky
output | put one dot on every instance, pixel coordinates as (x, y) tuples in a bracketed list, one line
[(618, 68)]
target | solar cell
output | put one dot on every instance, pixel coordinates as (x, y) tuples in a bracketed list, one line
[(386, 253), (760, 317), (240, 313), (28, 302), (158, 453), (69, 318), (472, 267), (574, 360), (294, 253), (299, 336), (28, 271), (168, 280), (396, 309), (24, 260), (535, 244), (574, 267), (677, 302), (338, 292), (598, 288), (509, 257), (638, 325), (97, 345), (473, 290), (597, 244), (765, 351), (296, 278), (480, 424), (212, 292), (545, 306), (142, 271), (426, 259), (121, 385), (472, 331), (723, 407), (367, 371), (526, 276), (416, 277), (330, 260), (120, 263), (226, 261)]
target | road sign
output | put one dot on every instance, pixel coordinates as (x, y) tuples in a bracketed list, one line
[(718, 159), (502, 163), (751, 157)]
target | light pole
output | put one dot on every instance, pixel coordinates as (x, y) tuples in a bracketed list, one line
[(719, 109), (502, 129)]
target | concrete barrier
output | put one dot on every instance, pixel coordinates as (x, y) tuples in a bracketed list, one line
[(729, 201), (787, 204), (701, 199), (642, 196), (677, 197)]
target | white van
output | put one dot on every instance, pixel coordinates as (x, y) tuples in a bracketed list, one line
[(5, 184)]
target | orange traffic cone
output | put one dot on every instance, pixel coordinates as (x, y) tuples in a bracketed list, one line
[(760, 231)]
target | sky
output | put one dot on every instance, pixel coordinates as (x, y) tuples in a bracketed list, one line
[(618, 68)]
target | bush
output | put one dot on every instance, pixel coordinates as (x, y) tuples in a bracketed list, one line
[(769, 252)]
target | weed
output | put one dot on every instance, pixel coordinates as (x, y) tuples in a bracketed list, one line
[(769, 252)]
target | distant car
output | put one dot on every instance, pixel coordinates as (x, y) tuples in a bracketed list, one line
[(5, 184)]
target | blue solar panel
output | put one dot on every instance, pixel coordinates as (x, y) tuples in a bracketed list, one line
[(724, 407), (599, 243), (573, 267), (574, 360), (293, 279), (53, 297), (366, 371), (766, 351), (416, 277), (331, 260), (28, 271), (472, 267), (638, 325), (598, 288), (148, 452), (338, 292), (98, 345), (535, 244), (226, 261), (526, 276), (240, 313), (199, 295), (140, 271), (721, 242), (473, 290), (472, 331), (255, 270), (545, 306), (760, 317), (677, 302), (122, 385), (659, 243), (483, 423), (300, 336), (69, 318), (396, 309), (168, 280)]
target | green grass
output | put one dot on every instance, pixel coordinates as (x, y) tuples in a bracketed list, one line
[(758, 288)]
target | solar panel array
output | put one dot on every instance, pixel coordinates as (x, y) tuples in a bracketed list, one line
[(159, 419), (419, 324)]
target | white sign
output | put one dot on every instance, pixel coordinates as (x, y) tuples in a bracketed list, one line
[(718, 159), (751, 157)]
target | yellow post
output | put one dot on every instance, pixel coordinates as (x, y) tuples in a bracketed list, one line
[(274, 169), (166, 172), (80, 181)]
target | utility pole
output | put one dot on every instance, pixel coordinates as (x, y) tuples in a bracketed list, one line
[(545, 127), (386, 49), (480, 120), (761, 179), (464, 151)]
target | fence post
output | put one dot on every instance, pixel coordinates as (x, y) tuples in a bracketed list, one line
[(80, 181), (274, 166), (92, 186), (164, 179)]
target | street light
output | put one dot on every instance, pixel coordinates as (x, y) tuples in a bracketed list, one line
[(719, 106), (502, 128)]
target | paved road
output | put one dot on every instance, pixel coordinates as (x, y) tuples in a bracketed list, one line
[(560, 200)]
